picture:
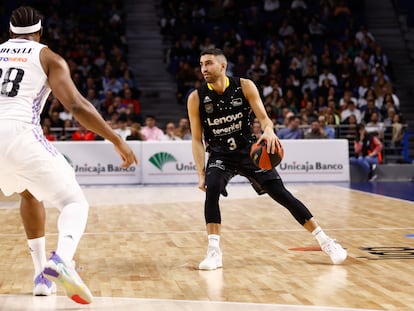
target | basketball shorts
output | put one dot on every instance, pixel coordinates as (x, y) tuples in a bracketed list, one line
[(224, 166), (29, 162)]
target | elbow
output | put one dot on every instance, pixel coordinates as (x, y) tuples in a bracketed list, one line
[(76, 108)]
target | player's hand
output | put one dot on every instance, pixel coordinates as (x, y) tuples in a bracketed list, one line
[(127, 155), (202, 183), (271, 140)]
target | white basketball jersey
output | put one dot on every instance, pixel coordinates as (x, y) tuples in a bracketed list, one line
[(23, 82)]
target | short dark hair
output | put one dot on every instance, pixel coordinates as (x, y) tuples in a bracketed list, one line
[(212, 51), (292, 118), (123, 117), (360, 126), (25, 16)]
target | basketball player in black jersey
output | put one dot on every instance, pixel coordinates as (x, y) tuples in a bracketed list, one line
[(220, 111)]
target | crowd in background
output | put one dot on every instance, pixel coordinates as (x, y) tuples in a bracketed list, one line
[(91, 38), (319, 68), (315, 63), (310, 57)]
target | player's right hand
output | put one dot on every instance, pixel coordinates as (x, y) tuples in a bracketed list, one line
[(202, 183)]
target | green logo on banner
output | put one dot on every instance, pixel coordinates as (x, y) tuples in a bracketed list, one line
[(160, 158)]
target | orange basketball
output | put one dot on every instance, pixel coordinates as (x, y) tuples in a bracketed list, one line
[(264, 160)]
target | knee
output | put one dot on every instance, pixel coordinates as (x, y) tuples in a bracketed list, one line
[(211, 208), (215, 187), (71, 198)]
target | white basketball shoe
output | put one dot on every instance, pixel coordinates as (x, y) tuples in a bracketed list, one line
[(43, 287), (213, 260), (337, 253)]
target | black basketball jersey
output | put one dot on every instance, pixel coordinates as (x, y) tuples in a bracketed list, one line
[(225, 118)]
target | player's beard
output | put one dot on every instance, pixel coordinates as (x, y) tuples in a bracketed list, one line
[(210, 78)]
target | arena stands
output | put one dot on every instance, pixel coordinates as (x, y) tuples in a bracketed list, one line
[(303, 55), (313, 58), (91, 37)]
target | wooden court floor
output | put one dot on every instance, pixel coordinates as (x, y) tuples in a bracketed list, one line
[(143, 244)]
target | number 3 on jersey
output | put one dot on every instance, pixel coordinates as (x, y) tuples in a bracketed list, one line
[(10, 84), (232, 143)]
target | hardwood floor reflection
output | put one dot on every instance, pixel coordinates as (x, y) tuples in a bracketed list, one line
[(142, 247)]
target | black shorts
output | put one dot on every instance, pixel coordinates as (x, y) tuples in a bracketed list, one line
[(224, 166)]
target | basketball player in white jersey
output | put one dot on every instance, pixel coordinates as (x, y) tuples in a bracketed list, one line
[(31, 166)]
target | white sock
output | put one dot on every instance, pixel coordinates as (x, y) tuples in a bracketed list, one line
[(37, 248), (71, 224), (320, 235), (214, 241)]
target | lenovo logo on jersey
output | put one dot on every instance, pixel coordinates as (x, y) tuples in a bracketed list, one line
[(13, 59), (227, 119), (16, 50)]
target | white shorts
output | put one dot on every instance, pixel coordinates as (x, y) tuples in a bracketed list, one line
[(29, 162)]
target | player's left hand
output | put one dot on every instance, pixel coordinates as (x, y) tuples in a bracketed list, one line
[(271, 140), (127, 155)]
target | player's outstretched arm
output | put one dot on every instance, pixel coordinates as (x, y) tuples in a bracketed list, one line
[(64, 89)]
